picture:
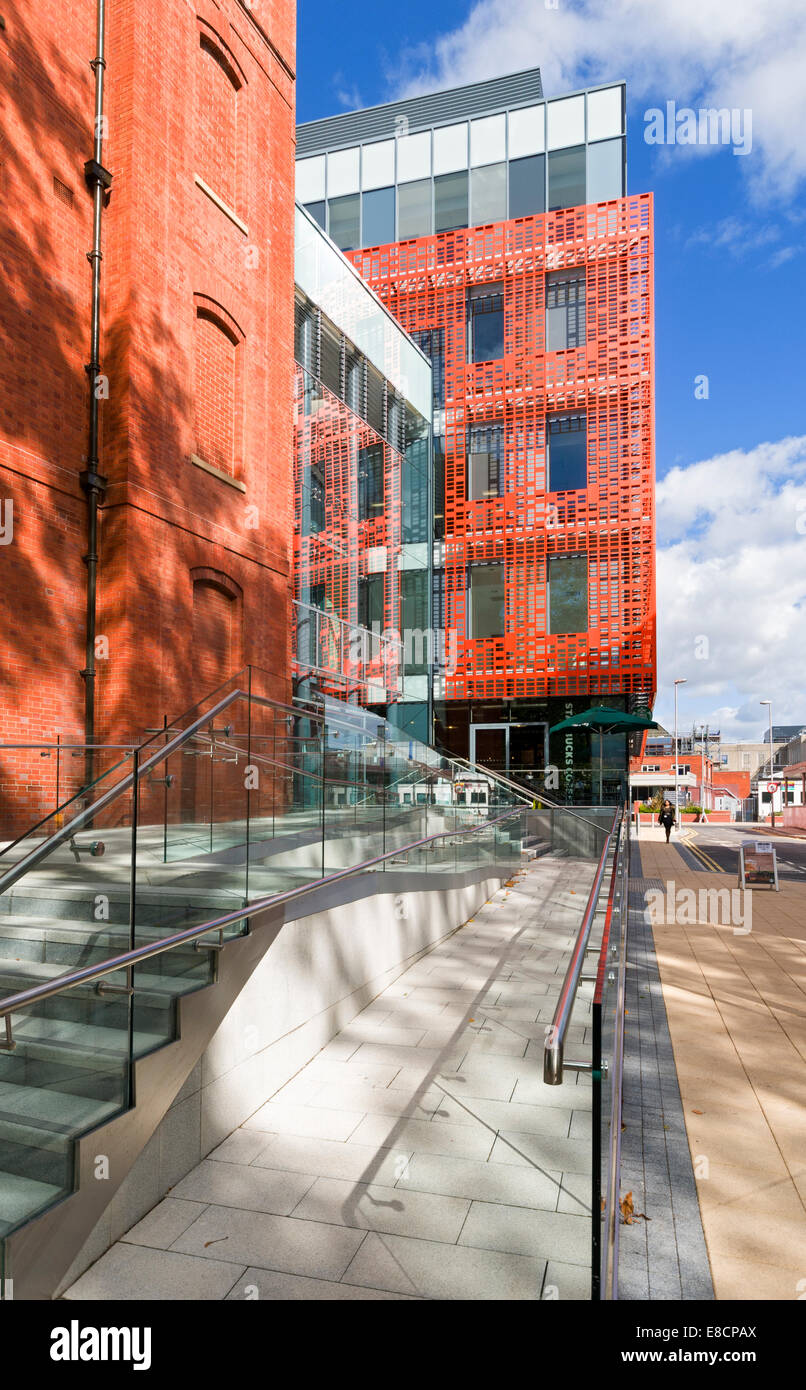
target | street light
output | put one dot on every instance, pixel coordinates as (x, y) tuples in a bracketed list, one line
[(681, 681), (768, 703)]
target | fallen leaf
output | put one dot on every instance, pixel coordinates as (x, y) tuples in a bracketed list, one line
[(629, 1213), (698, 1112), (216, 1241)]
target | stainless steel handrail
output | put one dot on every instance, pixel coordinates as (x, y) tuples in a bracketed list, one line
[(609, 1280), (61, 747), (555, 1040), (526, 792), (35, 856), (155, 948), (494, 776)]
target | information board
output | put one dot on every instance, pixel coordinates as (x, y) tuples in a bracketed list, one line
[(758, 866)]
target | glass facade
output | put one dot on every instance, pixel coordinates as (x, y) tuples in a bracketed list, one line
[(540, 525), (516, 163), (363, 472)]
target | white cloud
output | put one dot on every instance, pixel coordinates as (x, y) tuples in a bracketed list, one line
[(722, 53), (732, 588)]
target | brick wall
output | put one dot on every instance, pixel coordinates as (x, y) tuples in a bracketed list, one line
[(169, 246)]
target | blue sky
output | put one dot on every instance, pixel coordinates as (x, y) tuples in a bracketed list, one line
[(730, 280)]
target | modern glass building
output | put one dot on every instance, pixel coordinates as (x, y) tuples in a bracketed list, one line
[(495, 224), (363, 477)]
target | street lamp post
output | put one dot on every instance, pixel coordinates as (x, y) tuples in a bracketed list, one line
[(680, 681), (768, 703)]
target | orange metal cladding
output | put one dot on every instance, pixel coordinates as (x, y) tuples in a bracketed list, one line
[(425, 283)]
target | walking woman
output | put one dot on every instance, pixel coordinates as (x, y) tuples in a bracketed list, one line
[(667, 818)]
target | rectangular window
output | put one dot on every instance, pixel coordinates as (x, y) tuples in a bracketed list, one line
[(487, 601), (318, 213), (567, 464), (565, 310), (414, 209), (344, 221), (485, 309), (414, 618), (379, 217), (431, 341), (415, 481), (605, 171), (566, 178), (485, 462), (370, 482), (488, 194), (568, 593), (370, 601), (439, 487), (527, 186), (450, 201)]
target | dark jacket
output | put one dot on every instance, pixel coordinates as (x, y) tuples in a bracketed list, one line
[(667, 816)]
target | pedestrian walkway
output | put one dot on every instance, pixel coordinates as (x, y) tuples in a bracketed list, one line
[(735, 1002), (419, 1155), (662, 1253)]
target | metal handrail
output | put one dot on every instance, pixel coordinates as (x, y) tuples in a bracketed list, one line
[(131, 958), (61, 747), (609, 1281), (527, 792), (35, 856), (495, 777), (555, 1040)]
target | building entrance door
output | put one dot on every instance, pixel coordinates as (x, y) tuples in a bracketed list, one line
[(489, 746), (518, 750)]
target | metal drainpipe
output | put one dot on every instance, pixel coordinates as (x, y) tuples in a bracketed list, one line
[(92, 481)]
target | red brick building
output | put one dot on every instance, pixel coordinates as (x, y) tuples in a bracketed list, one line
[(195, 381)]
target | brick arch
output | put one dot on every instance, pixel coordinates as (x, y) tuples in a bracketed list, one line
[(217, 627), (214, 309), (221, 117), (218, 387), (225, 582), (217, 47)]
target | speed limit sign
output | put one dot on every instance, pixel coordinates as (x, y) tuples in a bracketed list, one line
[(772, 787)]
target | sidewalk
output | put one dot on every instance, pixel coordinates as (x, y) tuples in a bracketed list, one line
[(736, 1006), (419, 1155)]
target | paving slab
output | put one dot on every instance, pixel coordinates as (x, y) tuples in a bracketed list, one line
[(736, 1007), (418, 1155)]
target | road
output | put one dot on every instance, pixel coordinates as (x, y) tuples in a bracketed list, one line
[(715, 849)]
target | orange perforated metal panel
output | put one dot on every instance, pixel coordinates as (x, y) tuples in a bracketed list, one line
[(426, 284)]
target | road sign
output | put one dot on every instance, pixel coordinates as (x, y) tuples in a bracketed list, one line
[(772, 787), (758, 866)]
